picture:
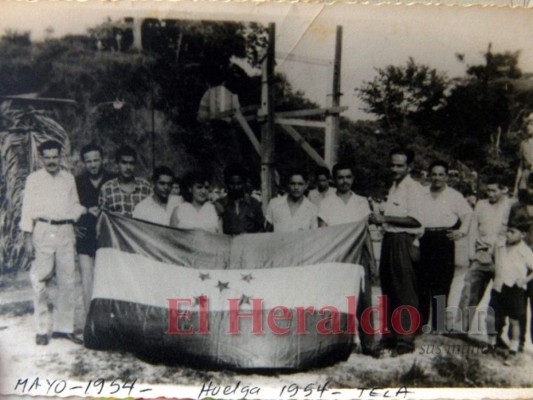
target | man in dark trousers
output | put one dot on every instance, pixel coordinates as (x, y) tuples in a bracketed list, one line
[(446, 218), (400, 253), (88, 185)]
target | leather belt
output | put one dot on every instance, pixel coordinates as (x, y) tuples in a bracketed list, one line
[(438, 229), (56, 221)]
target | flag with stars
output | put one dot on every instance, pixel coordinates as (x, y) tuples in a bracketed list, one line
[(257, 301)]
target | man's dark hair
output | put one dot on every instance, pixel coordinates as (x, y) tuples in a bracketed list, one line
[(322, 171), (234, 170), (521, 223), (90, 147), (49, 145), (408, 153), (439, 163), (190, 178), (496, 180), (297, 171), (339, 167), (125, 151), (162, 170)]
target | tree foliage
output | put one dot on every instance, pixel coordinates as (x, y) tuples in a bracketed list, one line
[(475, 119), (400, 95)]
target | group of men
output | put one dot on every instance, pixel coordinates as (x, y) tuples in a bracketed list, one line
[(420, 226)]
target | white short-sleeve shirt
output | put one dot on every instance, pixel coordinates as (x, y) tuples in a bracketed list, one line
[(190, 218), (334, 211), (279, 215), (444, 210)]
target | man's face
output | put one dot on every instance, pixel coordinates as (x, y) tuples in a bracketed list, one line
[(494, 192), (297, 186), (93, 162), (344, 180), (399, 167), (50, 159), (126, 167), (322, 183), (513, 236), (438, 177), (236, 187), (163, 186)]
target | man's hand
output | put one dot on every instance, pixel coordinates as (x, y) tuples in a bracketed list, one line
[(520, 282), (376, 219), (94, 210), (455, 235)]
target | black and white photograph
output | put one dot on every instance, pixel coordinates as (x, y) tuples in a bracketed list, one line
[(266, 200)]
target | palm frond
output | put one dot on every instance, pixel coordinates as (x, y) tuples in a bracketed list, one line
[(21, 133)]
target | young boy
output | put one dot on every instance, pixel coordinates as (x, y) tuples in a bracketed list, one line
[(513, 269)]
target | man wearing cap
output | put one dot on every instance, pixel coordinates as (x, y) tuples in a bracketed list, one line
[(50, 208)]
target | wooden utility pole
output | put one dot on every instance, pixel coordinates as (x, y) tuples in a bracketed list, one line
[(266, 115), (333, 102)]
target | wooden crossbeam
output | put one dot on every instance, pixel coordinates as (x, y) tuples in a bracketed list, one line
[(248, 130), (300, 122), (304, 145), (310, 112)]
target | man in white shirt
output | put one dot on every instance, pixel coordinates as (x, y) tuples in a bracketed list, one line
[(322, 190), (292, 212), (341, 207), (446, 218), (487, 229), (158, 207), (49, 210), (400, 253)]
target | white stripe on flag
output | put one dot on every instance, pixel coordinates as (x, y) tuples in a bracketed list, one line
[(138, 279)]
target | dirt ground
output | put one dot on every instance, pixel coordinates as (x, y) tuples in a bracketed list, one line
[(438, 361)]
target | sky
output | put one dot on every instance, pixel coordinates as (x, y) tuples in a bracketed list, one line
[(374, 36)]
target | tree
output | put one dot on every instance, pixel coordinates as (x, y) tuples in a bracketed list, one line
[(483, 112), (400, 95)]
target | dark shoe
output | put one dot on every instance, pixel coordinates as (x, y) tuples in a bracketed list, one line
[(405, 350), (388, 344), (488, 349), (374, 352), (500, 344), (453, 334), (69, 336), (41, 340)]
